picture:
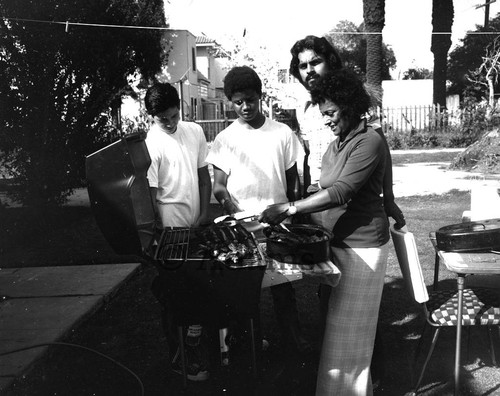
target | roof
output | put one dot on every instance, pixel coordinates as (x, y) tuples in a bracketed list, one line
[(204, 40), (201, 77)]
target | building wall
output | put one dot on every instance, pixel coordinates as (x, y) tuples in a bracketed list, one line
[(400, 93), (180, 61), (182, 64)]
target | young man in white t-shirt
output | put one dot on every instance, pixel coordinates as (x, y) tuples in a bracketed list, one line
[(178, 176), (180, 186), (255, 165)]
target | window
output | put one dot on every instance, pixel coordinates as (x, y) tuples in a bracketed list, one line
[(193, 56), (194, 108), (282, 76)]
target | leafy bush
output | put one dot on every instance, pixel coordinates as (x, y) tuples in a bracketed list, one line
[(395, 140), (138, 123), (474, 123), (423, 140)]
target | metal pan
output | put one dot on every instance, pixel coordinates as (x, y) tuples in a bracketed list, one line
[(474, 236), (302, 244)]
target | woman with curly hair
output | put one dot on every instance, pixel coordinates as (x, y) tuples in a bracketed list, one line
[(350, 204)]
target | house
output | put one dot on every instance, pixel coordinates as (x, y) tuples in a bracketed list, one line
[(210, 56), (193, 65), (194, 68)]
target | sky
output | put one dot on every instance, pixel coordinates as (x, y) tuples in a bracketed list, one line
[(277, 24)]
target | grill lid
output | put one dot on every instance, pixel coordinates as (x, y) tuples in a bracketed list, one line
[(119, 194)]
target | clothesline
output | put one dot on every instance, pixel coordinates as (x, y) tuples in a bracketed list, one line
[(68, 23)]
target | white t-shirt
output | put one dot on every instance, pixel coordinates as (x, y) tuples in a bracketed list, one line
[(255, 161), (318, 135), (175, 159)]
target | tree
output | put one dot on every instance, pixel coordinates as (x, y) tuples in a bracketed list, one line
[(468, 57), (442, 20), (374, 18), (487, 73), (417, 73), (244, 51), (57, 84), (350, 42)]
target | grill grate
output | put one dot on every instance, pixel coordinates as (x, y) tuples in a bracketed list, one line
[(174, 244)]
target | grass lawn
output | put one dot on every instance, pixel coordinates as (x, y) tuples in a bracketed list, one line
[(128, 329)]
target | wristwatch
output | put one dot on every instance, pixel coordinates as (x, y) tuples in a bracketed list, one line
[(292, 209)]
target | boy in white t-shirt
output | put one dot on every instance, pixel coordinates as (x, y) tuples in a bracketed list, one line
[(180, 186), (255, 165)]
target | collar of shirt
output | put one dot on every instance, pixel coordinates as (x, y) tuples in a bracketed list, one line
[(361, 128)]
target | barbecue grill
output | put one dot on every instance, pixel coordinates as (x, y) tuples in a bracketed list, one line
[(202, 285)]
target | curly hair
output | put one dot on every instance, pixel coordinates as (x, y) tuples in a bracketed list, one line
[(319, 45), (160, 97), (344, 88), (241, 78)]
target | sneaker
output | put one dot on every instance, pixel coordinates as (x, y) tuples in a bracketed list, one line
[(193, 336), (196, 366), (265, 345)]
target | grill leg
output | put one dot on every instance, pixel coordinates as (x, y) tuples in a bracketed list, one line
[(492, 348), (254, 353), (180, 332), (224, 348)]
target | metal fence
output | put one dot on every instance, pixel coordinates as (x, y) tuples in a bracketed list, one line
[(418, 118), (213, 127), (393, 119)]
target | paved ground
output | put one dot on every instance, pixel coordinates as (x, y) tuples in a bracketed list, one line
[(425, 178), (40, 305)]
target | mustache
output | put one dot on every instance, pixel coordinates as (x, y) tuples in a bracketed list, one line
[(312, 75)]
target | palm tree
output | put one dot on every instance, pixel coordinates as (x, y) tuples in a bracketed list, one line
[(374, 18), (442, 20)]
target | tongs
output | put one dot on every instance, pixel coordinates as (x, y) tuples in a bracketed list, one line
[(284, 227), (281, 228), (239, 216)]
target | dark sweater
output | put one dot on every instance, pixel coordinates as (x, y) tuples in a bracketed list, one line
[(353, 172)]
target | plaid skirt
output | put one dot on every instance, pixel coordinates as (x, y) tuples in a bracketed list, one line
[(351, 322)]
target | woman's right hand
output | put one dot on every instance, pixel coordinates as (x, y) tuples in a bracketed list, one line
[(275, 214)]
